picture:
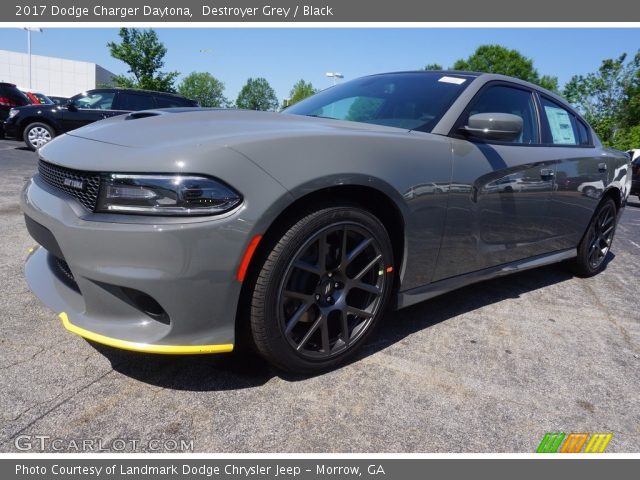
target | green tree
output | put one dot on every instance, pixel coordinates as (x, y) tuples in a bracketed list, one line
[(499, 59), (628, 138), (433, 66), (257, 94), (300, 91), (609, 99), (203, 87), (144, 54), (631, 113)]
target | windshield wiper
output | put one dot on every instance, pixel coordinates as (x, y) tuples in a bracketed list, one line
[(320, 116)]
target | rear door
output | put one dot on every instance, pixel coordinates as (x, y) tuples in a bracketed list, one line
[(499, 211), (582, 172)]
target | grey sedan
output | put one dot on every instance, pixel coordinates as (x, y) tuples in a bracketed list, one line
[(190, 230)]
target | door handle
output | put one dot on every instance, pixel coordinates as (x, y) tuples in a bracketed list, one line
[(547, 172), (602, 167)]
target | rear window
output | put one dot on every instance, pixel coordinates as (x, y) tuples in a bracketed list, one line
[(12, 97), (413, 101)]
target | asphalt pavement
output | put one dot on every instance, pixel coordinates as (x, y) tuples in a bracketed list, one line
[(487, 368)]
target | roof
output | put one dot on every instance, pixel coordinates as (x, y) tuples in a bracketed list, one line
[(126, 89)]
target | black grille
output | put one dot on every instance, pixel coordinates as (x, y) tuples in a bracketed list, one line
[(64, 268), (61, 270), (82, 186)]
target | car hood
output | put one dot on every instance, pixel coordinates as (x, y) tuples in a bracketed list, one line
[(175, 127)]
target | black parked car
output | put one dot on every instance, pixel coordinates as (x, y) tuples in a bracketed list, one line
[(10, 97), (38, 124)]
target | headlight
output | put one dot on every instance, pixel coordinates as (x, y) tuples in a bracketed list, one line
[(165, 195), (13, 112)]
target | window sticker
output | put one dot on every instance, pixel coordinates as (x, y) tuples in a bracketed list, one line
[(560, 124), (457, 81)]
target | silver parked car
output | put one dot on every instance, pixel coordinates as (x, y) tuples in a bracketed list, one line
[(170, 231)]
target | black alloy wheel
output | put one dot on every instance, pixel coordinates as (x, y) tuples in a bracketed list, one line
[(322, 289), (596, 243)]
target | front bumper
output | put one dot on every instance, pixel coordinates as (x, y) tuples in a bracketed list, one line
[(10, 128), (187, 268)]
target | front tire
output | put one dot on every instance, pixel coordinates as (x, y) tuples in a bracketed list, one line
[(37, 134), (321, 290), (596, 242)]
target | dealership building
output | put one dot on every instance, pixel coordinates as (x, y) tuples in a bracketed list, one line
[(51, 75)]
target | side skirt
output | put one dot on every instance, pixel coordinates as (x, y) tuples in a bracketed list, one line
[(419, 294)]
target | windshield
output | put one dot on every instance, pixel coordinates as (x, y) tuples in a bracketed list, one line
[(413, 101), (44, 100)]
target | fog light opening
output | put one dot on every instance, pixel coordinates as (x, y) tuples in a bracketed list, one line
[(146, 304)]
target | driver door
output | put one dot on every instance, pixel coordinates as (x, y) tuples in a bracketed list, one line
[(89, 107)]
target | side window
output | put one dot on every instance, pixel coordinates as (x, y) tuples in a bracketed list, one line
[(503, 99), (94, 100), (134, 101), (564, 127), (170, 102)]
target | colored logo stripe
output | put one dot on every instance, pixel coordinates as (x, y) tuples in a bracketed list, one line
[(598, 443), (574, 443), (550, 443)]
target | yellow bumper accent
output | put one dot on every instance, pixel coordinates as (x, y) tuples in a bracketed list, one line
[(143, 347)]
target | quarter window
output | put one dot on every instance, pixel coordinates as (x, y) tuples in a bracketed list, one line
[(503, 99), (583, 133)]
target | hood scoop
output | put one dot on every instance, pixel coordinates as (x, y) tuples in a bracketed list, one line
[(144, 114)]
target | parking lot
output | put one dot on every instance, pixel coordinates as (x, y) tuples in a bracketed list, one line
[(488, 368)]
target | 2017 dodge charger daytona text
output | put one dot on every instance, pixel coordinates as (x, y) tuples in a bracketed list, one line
[(169, 231)]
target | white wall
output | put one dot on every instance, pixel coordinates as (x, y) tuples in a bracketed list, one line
[(49, 75)]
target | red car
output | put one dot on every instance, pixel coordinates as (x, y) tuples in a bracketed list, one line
[(38, 98)]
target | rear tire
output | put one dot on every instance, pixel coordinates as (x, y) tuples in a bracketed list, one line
[(37, 134), (596, 242), (322, 289)]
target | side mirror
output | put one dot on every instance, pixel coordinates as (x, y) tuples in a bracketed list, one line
[(70, 106), (493, 126)]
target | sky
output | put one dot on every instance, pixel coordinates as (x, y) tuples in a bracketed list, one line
[(285, 55)]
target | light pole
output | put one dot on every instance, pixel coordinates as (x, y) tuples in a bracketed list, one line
[(29, 30), (335, 76)]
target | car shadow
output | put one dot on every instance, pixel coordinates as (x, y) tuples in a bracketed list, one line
[(15, 144), (246, 369)]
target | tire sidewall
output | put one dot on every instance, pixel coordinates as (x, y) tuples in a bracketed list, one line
[(31, 126), (584, 267)]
